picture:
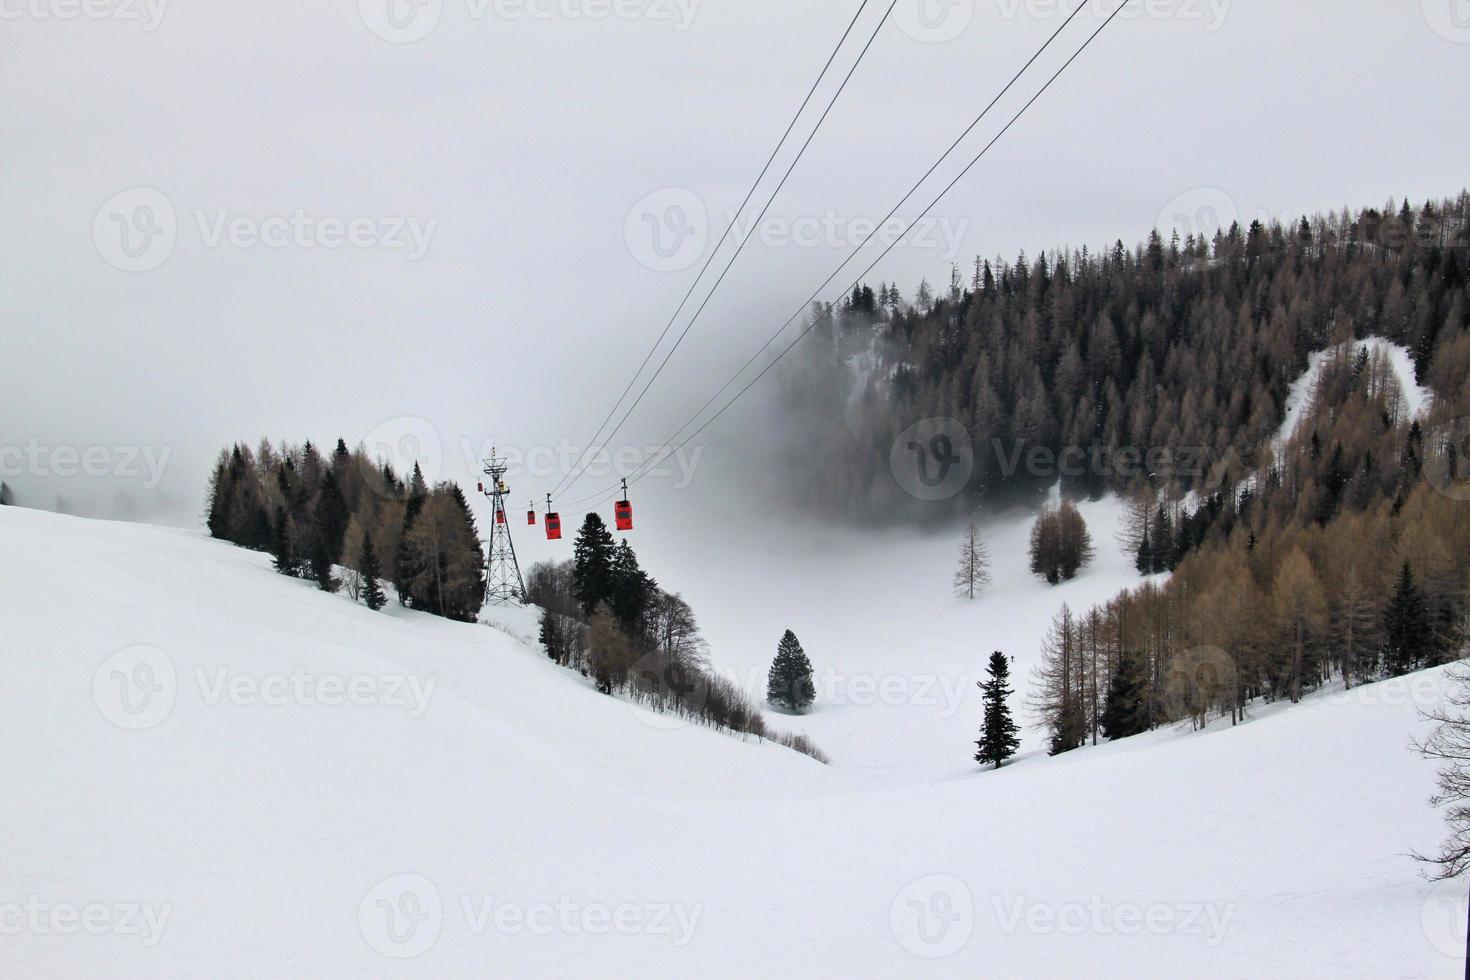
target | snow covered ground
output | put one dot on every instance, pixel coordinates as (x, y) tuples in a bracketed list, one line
[(1299, 398), (211, 770)]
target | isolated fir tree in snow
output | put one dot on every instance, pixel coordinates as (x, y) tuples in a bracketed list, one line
[(999, 736), (1407, 635), (789, 683), (973, 575), (6, 498), (1125, 711), (372, 592)]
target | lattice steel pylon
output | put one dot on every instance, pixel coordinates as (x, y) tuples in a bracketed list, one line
[(503, 583)]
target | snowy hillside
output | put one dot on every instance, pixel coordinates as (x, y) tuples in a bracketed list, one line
[(187, 795)]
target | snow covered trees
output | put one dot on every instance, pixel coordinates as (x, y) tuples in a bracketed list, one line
[(789, 682), (1060, 544), (973, 575), (999, 736)]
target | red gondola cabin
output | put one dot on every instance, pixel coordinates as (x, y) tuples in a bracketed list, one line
[(623, 514), (500, 517), (531, 517), (553, 527)]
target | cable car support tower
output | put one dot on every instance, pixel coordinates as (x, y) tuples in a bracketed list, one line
[(503, 583)]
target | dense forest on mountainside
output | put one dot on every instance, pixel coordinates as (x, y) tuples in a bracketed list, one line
[(1339, 551), (1167, 365)]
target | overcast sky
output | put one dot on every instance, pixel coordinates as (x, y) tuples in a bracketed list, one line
[(307, 219)]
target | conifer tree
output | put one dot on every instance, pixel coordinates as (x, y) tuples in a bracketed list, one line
[(281, 544), (973, 575), (633, 591), (1406, 629), (550, 635), (372, 591), (999, 736), (1125, 712), (789, 683), (592, 555)]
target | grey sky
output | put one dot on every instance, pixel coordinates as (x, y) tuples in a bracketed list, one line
[(511, 146)]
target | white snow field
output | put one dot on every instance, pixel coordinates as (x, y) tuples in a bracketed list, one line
[(187, 794)]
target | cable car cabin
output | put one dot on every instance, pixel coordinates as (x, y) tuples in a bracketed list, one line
[(553, 527), (499, 516), (531, 517), (482, 487), (623, 515)]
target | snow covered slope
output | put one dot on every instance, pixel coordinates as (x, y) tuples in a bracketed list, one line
[(1416, 398), (184, 795)]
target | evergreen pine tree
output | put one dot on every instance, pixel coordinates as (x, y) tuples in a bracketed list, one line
[(999, 736), (1125, 711), (404, 569), (633, 590), (1143, 559), (372, 592), (220, 493), (550, 635), (592, 555), (1407, 635), (281, 543), (789, 682)]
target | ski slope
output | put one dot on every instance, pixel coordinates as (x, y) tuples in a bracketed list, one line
[(186, 796)]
